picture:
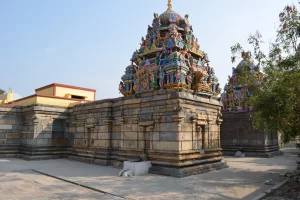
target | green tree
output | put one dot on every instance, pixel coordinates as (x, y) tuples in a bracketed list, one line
[(1, 91), (276, 98)]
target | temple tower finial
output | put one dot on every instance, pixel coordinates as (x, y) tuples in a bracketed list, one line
[(169, 5)]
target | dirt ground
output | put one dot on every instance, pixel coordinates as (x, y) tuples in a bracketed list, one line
[(291, 189)]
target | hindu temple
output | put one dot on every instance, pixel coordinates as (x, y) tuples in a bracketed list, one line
[(237, 132), (177, 110), (170, 112)]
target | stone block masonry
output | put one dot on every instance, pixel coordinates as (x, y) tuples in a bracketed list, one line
[(237, 133), (10, 131), (176, 130), (33, 132), (179, 132)]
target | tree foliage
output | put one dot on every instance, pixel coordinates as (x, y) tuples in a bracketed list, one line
[(1, 91), (276, 98)]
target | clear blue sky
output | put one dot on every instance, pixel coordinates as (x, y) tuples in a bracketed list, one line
[(89, 43)]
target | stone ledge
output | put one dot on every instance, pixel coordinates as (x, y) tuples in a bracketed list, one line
[(187, 171)]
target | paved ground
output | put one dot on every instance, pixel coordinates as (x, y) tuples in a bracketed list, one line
[(244, 179)]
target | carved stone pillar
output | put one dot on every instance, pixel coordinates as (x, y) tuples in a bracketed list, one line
[(143, 126), (122, 121), (143, 130), (195, 134), (177, 119), (108, 124), (89, 127), (219, 122), (204, 133), (208, 132), (35, 123)]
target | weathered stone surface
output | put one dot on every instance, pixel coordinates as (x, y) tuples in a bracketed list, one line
[(79, 135), (2, 135), (169, 127), (42, 141), (129, 144), (237, 133), (155, 136), (129, 136), (103, 129), (5, 127), (168, 146), (79, 129), (116, 128), (13, 141), (158, 123), (13, 135), (115, 136), (168, 136), (115, 143), (80, 142), (104, 136), (57, 134), (186, 136), (186, 145), (100, 143)]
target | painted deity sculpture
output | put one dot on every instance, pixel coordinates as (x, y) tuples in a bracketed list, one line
[(121, 86), (236, 94), (161, 78), (169, 56), (189, 79), (178, 75)]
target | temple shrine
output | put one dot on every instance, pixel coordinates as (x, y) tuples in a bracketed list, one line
[(237, 132), (179, 115)]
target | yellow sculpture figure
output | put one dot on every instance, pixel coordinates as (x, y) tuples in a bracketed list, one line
[(169, 5), (145, 81)]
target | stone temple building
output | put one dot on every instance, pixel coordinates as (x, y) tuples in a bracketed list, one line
[(237, 132), (170, 113)]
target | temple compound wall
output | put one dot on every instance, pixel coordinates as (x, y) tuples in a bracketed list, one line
[(176, 130), (33, 132), (11, 124)]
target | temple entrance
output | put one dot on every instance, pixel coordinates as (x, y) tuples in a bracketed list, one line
[(58, 131)]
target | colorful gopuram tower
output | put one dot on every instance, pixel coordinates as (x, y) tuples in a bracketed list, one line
[(169, 57), (237, 132), (236, 94)]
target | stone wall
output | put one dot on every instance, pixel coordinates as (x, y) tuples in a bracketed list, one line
[(237, 133), (177, 130), (174, 130), (92, 135), (10, 131), (28, 132), (44, 132)]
